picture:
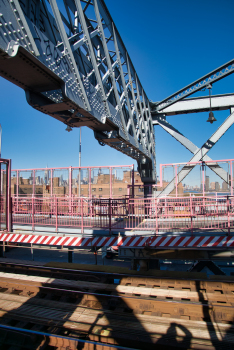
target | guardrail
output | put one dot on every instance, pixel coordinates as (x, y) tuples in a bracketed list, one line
[(188, 214)]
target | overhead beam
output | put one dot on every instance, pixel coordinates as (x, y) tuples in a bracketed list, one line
[(199, 84), (194, 105)]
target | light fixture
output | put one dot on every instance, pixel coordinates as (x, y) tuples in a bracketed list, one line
[(211, 118), (68, 128)]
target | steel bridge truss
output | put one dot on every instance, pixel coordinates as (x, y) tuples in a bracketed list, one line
[(179, 104), (73, 65)]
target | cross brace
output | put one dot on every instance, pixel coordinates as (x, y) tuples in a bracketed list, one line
[(199, 153)]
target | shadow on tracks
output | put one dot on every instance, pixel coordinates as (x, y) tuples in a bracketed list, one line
[(82, 314), (216, 341)]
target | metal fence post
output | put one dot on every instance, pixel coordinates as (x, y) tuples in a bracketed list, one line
[(231, 171), (176, 181), (156, 213), (191, 213), (228, 213), (133, 184), (110, 182), (33, 213), (109, 216), (56, 213), (82, 215)]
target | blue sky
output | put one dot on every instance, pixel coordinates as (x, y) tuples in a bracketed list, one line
[(171, 44)]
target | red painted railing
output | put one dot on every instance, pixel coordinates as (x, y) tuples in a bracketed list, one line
[(144, 214)]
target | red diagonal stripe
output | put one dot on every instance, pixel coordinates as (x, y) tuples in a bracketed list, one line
[(72, 241), (106, 241), (10, 240), (120, 242), (58, 240), (112, 241), (188, 241), (97, 242), (50, 240), (42, 242), (130, 241), (78, 243), (1, 236), (179, 241), (87, 242), (31, 238), (218, 241), (137, 243), (160, 241), (37, 239), (198, 241), (208, 241), (65, 240), (169, 242)]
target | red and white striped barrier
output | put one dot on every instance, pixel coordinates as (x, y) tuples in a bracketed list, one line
[(187, 241)]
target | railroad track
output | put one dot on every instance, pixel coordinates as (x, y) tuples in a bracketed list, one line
[(63, 309)]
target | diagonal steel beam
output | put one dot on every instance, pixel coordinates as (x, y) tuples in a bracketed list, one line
[(217, 169), (210, 78), (200, 154)]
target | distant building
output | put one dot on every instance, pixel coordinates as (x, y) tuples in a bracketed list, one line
[(224, 186), (217, 186), (212, 186), (207, 183)]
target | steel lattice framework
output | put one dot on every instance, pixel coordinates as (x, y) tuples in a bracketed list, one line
[(73, 65)]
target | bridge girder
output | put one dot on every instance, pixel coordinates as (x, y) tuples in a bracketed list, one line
[(73, 65)]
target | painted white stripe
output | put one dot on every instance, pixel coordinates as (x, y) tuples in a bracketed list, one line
[(34, 239), (21, 239), (46, 240), (230, 242), (155, 242), (143, 241), (101, 241), (53, 240), (119, 240), (27, 238), (182, 243), (126, 241), (193, 241), (203, 241), (222, 242), (134, 242), (213, 241), (69, 240), (110, 242), (9, 237), (15, 238), (95, 240), (76, 241), (162, 244), (40, 239), (83, 242), (61, 241), (174, 241), (4, 236)]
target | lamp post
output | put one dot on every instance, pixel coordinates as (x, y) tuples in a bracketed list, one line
[(0, 141), (211, 118)]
